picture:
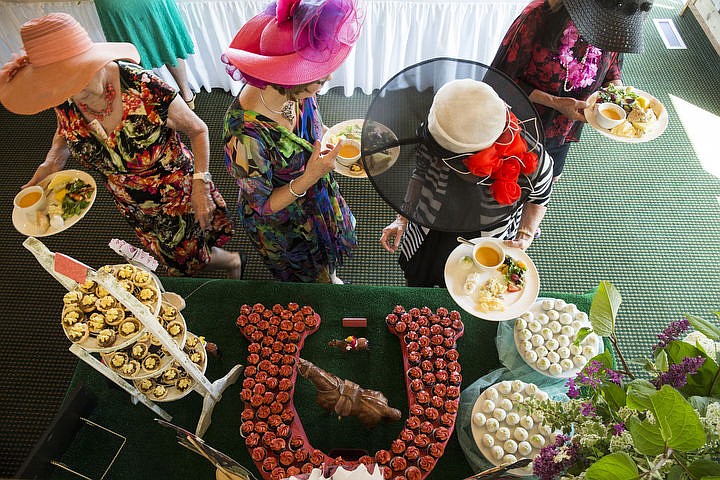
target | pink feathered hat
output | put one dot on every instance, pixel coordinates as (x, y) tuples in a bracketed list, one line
[(293, 42), (58, 61)]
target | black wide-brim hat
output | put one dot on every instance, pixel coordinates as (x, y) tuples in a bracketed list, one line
[(396, 123), (610, 25)]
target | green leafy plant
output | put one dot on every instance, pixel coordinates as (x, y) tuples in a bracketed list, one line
[(618, 427)]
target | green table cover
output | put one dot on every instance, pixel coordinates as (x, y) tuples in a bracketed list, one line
[(212, 308)]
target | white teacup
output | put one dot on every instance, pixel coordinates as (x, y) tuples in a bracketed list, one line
[(349, 152), (610, 115), (488, 253), (31, 202)]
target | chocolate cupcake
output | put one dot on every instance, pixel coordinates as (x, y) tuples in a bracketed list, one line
[(412, 453), (413, 473), (441, 434), (258, 454), (398, 463), (436, 449)]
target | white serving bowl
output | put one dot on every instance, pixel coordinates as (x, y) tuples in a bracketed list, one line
[(610, 115)]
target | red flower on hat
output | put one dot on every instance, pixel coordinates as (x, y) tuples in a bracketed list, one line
[(516, 147), (483, 162), (508, 171), (503, 162), (528, 162), (505, 192)]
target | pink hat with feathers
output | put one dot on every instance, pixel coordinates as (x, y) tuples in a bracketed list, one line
[(293, 42)]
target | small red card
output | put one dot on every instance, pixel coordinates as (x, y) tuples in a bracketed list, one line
[(354, 322), (70, 267)]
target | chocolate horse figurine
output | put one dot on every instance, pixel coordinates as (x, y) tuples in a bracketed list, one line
[(347, 398)]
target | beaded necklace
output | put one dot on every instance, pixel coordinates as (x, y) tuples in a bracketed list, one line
[(577, 74), (105, 112)]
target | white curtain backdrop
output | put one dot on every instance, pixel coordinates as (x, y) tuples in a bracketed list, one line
[(395, 35)]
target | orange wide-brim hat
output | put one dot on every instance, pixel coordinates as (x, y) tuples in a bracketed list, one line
[(57, 62), (295, 42)]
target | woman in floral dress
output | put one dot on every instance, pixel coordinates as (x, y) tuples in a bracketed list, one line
[(123, 121), (308, 239), (561, 51), (289, 204)]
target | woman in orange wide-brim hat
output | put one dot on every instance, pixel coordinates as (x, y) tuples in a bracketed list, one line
[(123, 121)]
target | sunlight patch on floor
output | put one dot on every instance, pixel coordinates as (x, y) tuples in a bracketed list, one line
[(701, 128)]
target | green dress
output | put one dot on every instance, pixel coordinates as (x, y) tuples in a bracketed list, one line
[(155, 27)]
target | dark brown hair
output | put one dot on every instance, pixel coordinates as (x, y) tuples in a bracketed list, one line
[(292, 92), (555, 22)]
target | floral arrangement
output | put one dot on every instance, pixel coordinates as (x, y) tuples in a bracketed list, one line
[(618, 427)]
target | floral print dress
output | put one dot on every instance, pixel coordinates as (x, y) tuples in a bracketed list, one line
[(533, 66), (148, 171), (308, 239)]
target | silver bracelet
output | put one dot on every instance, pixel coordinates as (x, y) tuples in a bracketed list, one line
[(293, 192)]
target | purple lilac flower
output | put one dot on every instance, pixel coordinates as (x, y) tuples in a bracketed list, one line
[(677, 373), (618, 429), (587, 409), (573, 391), (555, 458), (588, 376), (672, 332), (614, 376)]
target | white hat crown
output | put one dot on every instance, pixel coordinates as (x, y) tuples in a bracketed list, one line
[(466, 116)]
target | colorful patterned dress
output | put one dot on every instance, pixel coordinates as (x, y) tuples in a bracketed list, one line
[(533, 66), (310, 237), (148, 171)]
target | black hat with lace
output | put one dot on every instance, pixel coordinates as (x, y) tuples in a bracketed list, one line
[(610, 25)]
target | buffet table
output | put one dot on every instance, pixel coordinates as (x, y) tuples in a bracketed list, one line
[(212, 309), (396, 34)]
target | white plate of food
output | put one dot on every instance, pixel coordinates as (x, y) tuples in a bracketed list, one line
[(646, 119), (545, 337), (503, 430), (487, 293), (352, 130), (69, 193)]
